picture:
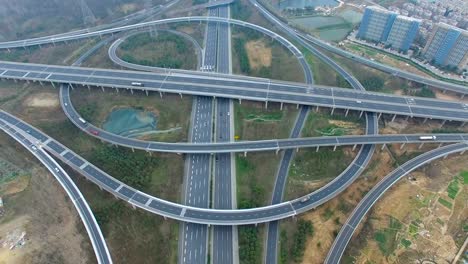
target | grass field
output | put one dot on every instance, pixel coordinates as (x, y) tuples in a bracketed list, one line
[(163, 50), (253, 122)]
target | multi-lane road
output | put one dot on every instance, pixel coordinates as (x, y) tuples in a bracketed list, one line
[(339, 245), (86, 215), (284, 92)]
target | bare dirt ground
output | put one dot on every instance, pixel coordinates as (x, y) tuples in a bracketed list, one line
[(54, 233), (43, 100), (327, 219), (259, 54), (433, 230)]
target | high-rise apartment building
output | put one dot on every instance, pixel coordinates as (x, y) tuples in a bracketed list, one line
[(447, 45), (383, 26)]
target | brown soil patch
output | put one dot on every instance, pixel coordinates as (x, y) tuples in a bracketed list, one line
[(259, 54), (449, 96), (42, 100), (438, 228), (54, 232), (318, 246)]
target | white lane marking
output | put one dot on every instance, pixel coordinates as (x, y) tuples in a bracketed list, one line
[(84, 165)]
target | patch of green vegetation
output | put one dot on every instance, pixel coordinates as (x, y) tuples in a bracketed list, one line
[(445, 203), (323, 73), (88, 112), (372, 52), (249, 244), (464, 174), (275, 116), (304, 230), (438, 220), (405, 243), (373, 83), (317, 124), (239, 48), (163, 50), (284, 251), (453, 188), (413, 229), (386, 238), (327, 214), (240, 11), (447, 131), (252, 121), (199, 2)]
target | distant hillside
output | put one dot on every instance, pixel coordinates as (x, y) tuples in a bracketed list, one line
[(27, 18)]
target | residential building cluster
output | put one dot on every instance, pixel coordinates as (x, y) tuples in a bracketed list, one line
[(446, 45)]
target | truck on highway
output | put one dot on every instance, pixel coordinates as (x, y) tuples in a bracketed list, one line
[(427, 138), (82, 120), (139, 84)]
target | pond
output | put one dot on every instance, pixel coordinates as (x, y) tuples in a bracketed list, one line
[(306, 3), (130, 122)]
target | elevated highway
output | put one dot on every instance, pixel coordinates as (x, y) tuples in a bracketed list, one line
[(94, 232), (346, 232), (271, 91), (178, 211)]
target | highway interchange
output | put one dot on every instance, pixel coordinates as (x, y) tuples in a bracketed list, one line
[(219, 86)]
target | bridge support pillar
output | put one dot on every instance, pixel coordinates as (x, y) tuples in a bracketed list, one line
[(131, 91), (393, 118), (462, 96), (317, 108), (425, 120), (53, 85), (334, 148), (146, 91), (41, 83), (266, 104), (297, 106), (383, 146), (240, 101), (378, 117), (333, 110), (444, 91), (402, 145), (421, 145), (407, 117), (360, 114), (440, 145), (9, 51), (180, 95), (27, 81), (281, 106), (445, 156), (71, 86), (245, 153), (463, 124), (277, 151), (160, 94), (354, 147), (17, 81), (443, 123), (133, 150), (317, 149), (102, 88), (116, 90), (463, 152), (346, 113), (149, 153), (133, 206), (297, 149)]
